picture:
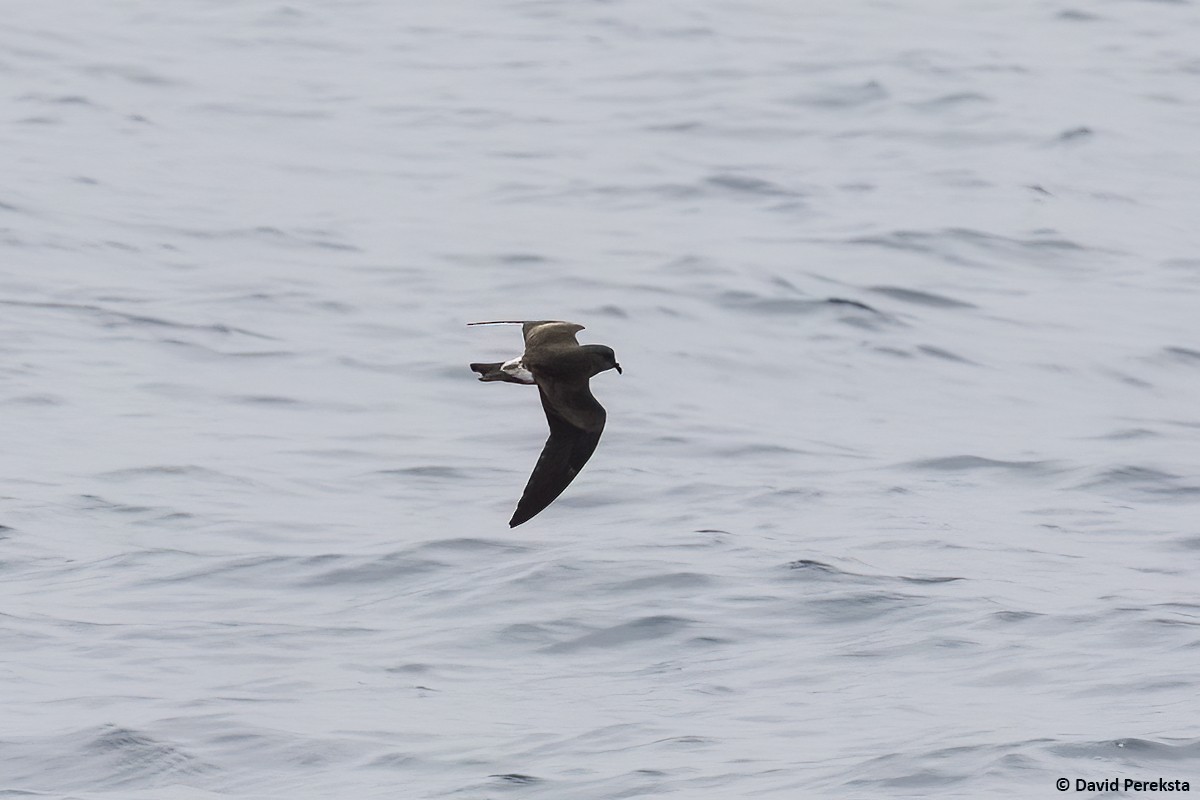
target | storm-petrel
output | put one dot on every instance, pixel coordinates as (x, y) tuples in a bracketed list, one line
[(560, 367)]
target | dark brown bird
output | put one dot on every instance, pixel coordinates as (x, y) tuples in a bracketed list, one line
[(561, 368)]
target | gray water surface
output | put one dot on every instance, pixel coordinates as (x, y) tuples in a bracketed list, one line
[(899, 491)]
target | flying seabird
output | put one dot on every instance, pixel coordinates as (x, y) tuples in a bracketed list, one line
[(560, 367)]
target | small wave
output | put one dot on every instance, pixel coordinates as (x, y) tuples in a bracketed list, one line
[(821, 570), (1145, 481), (35, 400), (920, 298), (467, 544), (262, 400), (945, 355), (1013, 617), (759, 304), (298, 238), (749, 185), (1075, 135), (972, 248), (1122, 434), (188, 472), (646, 628), (943, 768), (1075, 15), (257, 109), (517, 778), (966, 463), (132, 73), (668, 580), (108, 757), (112, 318), (431, 471), (862, 606), (952, 102), (1184, 355), (1131, 476), (837, 98), (353, 571), (1133, 751)]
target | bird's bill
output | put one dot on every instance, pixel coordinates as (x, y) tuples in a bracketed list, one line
[(617, 367)]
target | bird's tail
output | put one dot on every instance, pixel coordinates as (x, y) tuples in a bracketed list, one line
[(491, 372)]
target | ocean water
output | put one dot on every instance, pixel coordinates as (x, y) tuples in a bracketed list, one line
[(898, 495)]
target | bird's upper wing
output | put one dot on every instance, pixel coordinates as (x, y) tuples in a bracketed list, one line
[(567, 450), (550, 332)]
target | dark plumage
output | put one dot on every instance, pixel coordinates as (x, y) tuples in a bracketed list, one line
[(561, 368)]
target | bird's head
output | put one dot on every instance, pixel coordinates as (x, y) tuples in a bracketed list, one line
[(603, 358)]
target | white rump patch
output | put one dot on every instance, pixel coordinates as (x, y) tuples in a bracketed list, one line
[(517, 371)]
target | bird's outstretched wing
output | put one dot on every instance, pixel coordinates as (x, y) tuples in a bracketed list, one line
[(541, 331), (567, 450), (549, 332)]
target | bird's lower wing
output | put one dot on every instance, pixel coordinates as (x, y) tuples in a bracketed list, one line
[(565, 453)]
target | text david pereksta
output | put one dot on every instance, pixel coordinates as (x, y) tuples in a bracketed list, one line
[(1123, 785)]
